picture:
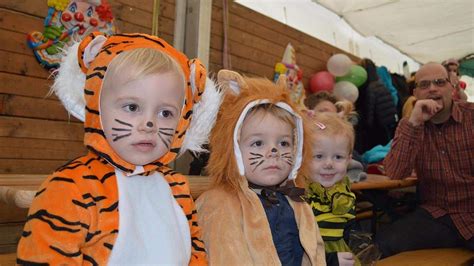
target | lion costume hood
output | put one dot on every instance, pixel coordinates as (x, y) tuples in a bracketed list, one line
[(233, 221), (242, 94)]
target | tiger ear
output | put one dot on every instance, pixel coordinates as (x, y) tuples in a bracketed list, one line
[(231, 81), (281, 82), (92, 49)]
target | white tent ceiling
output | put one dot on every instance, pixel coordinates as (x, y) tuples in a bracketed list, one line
[(425, 30)]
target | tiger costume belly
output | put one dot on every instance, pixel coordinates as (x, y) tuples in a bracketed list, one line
[(74, 218), (152, 225)]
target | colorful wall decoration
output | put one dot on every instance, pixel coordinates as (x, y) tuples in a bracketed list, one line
[(293, 74), (68, 21)]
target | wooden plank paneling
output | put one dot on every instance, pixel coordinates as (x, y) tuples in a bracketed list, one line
[(27, 166), (21, 64), (255, 37), (9, 214), (14, 42), (167, 9), (14, 105), (26, 86), (36, 133), (29, 148), (40, 129), (128, 19), (19, 22), (32, 7), (10, 233)]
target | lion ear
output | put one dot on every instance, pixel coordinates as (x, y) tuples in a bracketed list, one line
[(281, 82), (231, 81)]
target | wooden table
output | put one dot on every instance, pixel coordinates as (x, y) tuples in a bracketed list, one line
[(375, 190), (383, 182)]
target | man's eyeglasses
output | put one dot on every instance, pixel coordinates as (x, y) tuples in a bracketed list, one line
[(425, 84)]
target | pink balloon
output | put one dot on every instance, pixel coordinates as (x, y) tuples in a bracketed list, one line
[(321, 81)]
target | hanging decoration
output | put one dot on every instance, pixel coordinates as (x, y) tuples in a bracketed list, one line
[(156, 14), (293, 74), (68, 21)]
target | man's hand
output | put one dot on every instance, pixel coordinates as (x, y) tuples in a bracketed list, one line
[(423, 111), (345, 259)]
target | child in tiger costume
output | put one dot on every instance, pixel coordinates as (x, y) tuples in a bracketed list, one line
[(254, 214), (121, 203), (330, 195)]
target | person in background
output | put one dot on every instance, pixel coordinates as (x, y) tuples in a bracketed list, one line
[(321, 101), (452, 66), (377, 112), (437, 140), (408, 105)]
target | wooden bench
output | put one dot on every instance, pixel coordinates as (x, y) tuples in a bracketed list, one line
[(430, 257)]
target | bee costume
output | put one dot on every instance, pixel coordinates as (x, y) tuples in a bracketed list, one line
[(333, 208)]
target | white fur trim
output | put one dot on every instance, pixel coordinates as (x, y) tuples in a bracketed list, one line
[(203, 119), (69, 83), (299, 136)]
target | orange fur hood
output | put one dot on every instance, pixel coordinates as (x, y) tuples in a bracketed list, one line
[(79, 84), (225, 165)]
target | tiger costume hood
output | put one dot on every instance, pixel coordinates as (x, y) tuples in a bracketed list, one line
[(241, 95), (79, 89), (82, 197)]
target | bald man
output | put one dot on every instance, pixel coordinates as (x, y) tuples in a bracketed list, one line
[(437, 140)]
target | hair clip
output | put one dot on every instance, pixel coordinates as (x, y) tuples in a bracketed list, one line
[(320, 125), (310, 113)]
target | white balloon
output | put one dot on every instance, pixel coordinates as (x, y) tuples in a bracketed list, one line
[(339, 65), (346, 90)]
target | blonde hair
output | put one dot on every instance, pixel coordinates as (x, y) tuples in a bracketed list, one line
[(272, 109), (139, 63), (330, 124), (346, 108)]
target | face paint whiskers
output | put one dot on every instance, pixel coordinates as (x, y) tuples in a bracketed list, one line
[(287, 158), (257, 160), (165, 135), (123, 131)]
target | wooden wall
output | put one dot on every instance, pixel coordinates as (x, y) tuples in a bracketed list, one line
[(257, 43), (36, 133)]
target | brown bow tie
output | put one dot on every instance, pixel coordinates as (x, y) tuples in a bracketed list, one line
[(289, 189)]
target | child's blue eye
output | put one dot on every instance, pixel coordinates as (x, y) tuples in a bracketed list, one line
[(318, 156), (257, 143), (339, 157), (166, 114), (285, 144), (131, 108)]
